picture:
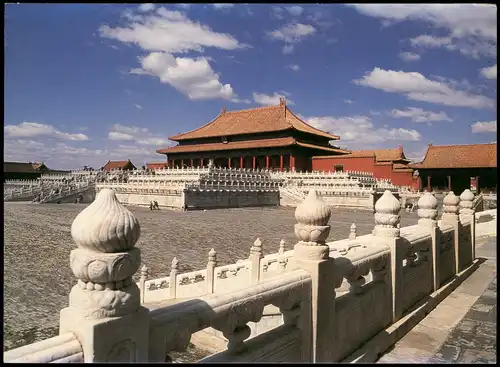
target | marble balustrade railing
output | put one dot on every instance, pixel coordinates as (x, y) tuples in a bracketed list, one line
[(347, 291)]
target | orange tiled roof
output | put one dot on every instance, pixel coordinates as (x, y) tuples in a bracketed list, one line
[(251, 121), (382, 155), (153, 165), (247, 144), (115, 165), (459, 156)]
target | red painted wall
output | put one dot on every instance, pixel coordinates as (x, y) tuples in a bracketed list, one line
[(366, 164)]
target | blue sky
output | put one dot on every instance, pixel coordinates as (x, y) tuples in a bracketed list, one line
[(88, 83)]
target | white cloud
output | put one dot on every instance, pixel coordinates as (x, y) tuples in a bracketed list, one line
[(348, 101), (472, 28), (360, 132), (417, 114), (294, 67), (138, 106), (295, 10), (417, 87), (418, 154), (169, 31), (115, 135), (277, 12), (288, 49), (484, 127), (271, 100), (193, 77), (489, 72), (290, 34), (34, 129), (222, 6), (147, 7), (409, 56), (183, 6), (139, 135)]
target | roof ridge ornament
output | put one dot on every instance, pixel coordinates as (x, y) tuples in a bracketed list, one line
[(282, 101), (223, 110)]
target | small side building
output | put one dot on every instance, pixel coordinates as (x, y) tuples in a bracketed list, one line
[(454, 167), (119, 165), (391, 164), (25, 170), (156, 165)]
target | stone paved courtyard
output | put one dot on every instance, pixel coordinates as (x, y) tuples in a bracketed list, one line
[(37, 244), (474, 339)]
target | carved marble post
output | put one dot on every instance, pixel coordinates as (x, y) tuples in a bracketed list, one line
[(142, 282), (173, 278), (256, 257), (428, 213), (352, 233), (212, 264), (387, 231), (105, 310), (281, 257), (451, 217), (312, 254), (467, 215)]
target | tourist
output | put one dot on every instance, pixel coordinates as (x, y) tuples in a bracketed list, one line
[(157, 207)]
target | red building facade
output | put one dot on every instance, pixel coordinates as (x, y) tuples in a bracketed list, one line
[(383, 163), (266, 137)]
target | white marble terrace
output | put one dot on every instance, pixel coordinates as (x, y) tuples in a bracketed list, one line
[(348, 291)]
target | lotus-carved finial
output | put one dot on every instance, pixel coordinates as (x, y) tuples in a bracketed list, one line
[(427, 201), (387, 204), (106, 225), (467, 195), (313, 211), (387, 216)]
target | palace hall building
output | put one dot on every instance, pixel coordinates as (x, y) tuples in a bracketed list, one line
[(266, 137)]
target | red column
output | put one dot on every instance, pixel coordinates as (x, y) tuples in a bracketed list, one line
[(229, 163), (281, 162), (253, 162), (182, 163), (267, 162), (191, 162), (201, 162), (477, 185), (449, 183), (429, 183), (241, 162), (292, 163)]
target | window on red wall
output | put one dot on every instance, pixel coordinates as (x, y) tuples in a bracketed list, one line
[(338, 168)]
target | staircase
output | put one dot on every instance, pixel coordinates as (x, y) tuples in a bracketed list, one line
[(291, 196), (68, 192)]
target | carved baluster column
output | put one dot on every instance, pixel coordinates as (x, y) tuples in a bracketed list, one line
[(105, 310), (281, 257), (427, 214), (467, 214), (212, 264), (450, 216), (352, 234), (386, 231), (256, 257), (312, 254), (142, 282), (173, 278)]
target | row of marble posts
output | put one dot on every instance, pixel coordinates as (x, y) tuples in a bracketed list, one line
[(257, 267), (105, 311)]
